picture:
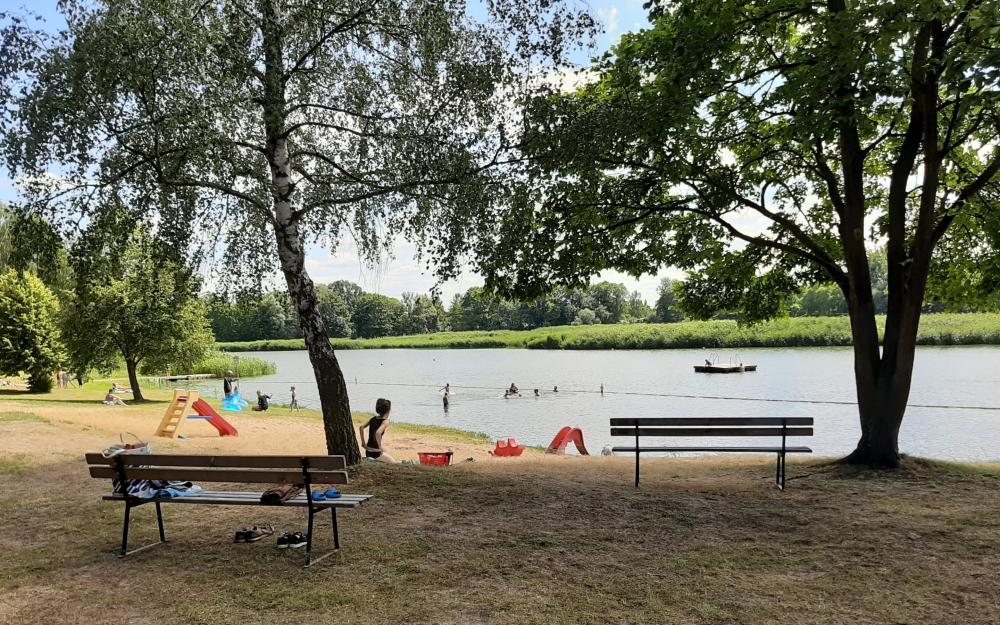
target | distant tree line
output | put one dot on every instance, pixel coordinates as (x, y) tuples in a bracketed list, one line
[(349, 312)]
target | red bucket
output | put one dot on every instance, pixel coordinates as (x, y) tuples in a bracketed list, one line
[(437, 459)]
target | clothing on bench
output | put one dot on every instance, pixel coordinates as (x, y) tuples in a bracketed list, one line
[(782, 427), (299, 472)]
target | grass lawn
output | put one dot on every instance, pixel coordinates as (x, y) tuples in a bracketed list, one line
[(534, 540)]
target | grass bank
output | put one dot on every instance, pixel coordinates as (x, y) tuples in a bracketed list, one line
[(540, 539), (935, 329)]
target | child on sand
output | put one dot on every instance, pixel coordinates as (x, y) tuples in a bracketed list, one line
[(262, 401), (376, 428)]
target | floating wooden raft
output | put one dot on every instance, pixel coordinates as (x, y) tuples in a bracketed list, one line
[(724, 368)]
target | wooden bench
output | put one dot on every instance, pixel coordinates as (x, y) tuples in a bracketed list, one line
[(301, 471), (716, 427)]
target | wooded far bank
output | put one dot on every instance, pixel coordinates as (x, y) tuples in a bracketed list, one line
[(935, 329)]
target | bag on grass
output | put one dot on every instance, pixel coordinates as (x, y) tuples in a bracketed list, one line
[(135, 447)]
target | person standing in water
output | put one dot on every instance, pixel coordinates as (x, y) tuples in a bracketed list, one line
[(228, 386), (376, 428)]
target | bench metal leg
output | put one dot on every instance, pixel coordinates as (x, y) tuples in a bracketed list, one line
[(779, 472), (127, 522), (336, 529), (159, 522), (309, 536), (637, 458)]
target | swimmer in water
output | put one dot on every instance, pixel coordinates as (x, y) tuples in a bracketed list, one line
[(536, 393), (513, 390), (555, 389)]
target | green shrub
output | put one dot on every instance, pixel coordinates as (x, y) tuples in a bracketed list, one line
[(29, 330), (217, 363)]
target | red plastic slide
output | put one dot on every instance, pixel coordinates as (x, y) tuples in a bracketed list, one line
[(564, 438), (225, 427)]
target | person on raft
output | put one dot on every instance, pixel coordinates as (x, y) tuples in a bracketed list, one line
[(376, 428), (228, 385), (113, 400), (262, 402)]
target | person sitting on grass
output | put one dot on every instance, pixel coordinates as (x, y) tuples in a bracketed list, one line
[(113, 400), (262, 401), (376, 428)]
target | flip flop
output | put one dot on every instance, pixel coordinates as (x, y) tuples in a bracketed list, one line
[(332, 493)]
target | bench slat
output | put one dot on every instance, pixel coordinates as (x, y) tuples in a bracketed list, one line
[(236, 476), (322, 463), (708, 421), (222, 498), (791, 450), (712, 431)]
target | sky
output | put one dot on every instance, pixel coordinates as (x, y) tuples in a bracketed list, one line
[(403, 272)]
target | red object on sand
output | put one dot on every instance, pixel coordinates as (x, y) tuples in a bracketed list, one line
[(566, 436), (224, 427), (435, 458), (507, 449)]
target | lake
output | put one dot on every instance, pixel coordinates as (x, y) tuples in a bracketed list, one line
[(647, 383)]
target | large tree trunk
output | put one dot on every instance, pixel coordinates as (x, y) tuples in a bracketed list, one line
[(883, 378), (337, 423), (133, 379)]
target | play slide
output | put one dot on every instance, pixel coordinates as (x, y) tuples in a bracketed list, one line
[(566, 436), (225, 428)]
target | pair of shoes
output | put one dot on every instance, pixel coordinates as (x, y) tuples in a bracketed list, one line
[(330, 493), (295, 540), (253, 534)]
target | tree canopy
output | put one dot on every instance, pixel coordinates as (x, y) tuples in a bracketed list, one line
[(134, 303)]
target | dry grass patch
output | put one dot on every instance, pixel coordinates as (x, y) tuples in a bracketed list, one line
[(538, 541), (530, 540)]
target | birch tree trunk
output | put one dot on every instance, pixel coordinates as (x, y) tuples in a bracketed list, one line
[(337, 424)]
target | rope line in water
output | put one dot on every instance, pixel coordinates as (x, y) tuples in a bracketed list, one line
[(830, 402)]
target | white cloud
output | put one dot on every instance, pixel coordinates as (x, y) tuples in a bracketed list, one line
[(610, 19)]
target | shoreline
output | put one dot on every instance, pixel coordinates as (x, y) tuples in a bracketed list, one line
[(966, 329)]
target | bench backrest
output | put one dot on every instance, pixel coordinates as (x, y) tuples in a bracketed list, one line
[(235, 469), (712, 426)]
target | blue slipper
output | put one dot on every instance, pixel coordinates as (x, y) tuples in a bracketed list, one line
[(332, 493), (318, 495)]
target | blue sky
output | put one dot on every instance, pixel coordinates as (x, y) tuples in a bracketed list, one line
[(403, 272)]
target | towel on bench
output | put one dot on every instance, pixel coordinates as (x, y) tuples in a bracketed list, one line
[(279, 494)]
